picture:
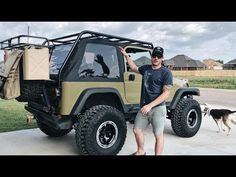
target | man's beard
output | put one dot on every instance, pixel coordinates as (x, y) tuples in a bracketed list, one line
[(156, 64)]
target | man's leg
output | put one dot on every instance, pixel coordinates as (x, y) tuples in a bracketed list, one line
[(139, 136), (159, 144), (158, 117), (141, 122)]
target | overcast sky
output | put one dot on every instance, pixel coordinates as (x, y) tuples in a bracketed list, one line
[(198, 40)]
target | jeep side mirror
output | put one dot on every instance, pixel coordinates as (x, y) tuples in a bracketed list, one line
[(131, 77)]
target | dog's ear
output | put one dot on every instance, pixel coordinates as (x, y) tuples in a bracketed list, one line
[(207, 105)]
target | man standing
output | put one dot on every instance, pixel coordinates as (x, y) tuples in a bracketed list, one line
[(156, 85)]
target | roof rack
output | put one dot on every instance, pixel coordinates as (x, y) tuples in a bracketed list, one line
[(95, 35), (22, 41), (17, 42)]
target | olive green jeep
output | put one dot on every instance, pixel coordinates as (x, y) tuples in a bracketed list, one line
[(82, 82)]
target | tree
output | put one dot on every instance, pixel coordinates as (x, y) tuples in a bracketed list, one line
[(220, 61)]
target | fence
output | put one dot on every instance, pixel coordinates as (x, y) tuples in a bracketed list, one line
[(213, 73)]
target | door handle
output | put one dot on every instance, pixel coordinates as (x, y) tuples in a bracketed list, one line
[(131, 77)]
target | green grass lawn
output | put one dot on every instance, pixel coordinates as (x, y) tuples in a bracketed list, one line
[(213, 82), (13, 116)]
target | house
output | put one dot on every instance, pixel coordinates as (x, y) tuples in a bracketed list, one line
[(213, 64), (231, 65), (142, 61), (183, 62)]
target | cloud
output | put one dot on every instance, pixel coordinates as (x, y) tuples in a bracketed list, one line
[(194, 29), (198, 40)]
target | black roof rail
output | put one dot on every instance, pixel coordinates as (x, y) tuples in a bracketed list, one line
[(20, 41), (96, 35), (16, 42)]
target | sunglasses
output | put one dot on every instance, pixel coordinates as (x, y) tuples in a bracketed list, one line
[(157, 56)]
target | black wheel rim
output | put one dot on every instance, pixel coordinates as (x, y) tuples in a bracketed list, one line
[(107, 134), (192, 118)]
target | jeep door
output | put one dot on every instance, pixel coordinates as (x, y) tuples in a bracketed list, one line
[(132, 81)]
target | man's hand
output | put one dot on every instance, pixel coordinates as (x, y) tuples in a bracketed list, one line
[(130, 61), (145, 109), (123, 51)]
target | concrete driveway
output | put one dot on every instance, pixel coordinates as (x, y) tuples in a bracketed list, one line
[(205, 142)]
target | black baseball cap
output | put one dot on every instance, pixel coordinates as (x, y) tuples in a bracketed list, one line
[(158, 51)]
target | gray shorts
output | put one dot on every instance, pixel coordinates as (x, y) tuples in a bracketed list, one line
[(156, 117)]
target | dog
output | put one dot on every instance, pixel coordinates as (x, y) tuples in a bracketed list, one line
[(219, 115)]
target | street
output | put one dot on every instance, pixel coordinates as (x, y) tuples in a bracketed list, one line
[(206, 142)]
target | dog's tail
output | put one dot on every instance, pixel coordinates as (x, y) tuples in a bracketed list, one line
[(232, 112)]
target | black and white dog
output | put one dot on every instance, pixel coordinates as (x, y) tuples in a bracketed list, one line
[(219, 115)]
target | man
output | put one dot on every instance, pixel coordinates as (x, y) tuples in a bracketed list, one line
[(156, 85)]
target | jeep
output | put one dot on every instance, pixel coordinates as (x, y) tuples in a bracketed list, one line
[(82, 82)]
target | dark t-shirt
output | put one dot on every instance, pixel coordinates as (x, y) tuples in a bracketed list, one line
[(153, 82)]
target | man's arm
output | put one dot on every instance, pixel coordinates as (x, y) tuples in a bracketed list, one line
[(163, 97), (130, 62)]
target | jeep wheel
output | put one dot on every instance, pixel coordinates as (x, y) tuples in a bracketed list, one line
[(186, 118), (50, 131), (101, 131)]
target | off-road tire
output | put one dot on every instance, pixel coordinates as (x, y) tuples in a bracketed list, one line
[(101, 130), (186, 118), (50, 131)]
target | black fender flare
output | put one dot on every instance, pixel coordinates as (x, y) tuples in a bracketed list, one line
[(87, 93), (180, 93)]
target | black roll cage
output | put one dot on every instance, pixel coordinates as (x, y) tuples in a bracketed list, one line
[(20, 41)]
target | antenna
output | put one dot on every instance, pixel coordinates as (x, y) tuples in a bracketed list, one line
[(28, 33)]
